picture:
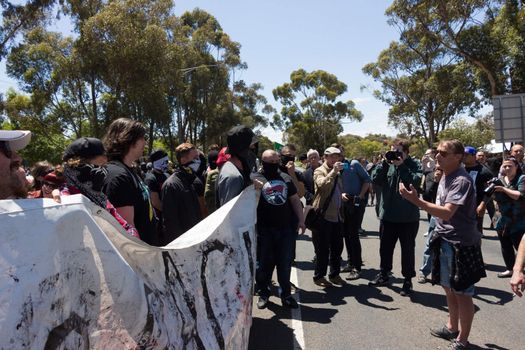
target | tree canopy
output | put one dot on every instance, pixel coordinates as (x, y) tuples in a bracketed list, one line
[(311, 112)]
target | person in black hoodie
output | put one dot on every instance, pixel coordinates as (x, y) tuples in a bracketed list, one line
[(180, 200)]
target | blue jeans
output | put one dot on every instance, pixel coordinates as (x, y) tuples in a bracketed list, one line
[(446, 259), (275, 247), (426, 268)]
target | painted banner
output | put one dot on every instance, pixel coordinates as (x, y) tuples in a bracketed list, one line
[(71, 279)]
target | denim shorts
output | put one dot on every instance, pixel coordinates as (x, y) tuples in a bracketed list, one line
[(446, 259)]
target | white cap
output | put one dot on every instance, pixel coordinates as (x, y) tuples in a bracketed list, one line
[(332, 150), (17, 139)]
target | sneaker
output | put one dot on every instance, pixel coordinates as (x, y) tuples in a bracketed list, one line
[(289, 302), (337, 280), (444, 332), (421, 279), (380, 280), (347, 268), (323, 282), (456, 345), (262, 302), (407, 288), (353, 275), (505, 274)]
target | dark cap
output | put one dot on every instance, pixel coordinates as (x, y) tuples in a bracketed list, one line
[(84, 147), (240, 138), (157, 154)]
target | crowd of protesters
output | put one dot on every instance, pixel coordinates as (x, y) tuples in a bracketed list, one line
[(159, 201)]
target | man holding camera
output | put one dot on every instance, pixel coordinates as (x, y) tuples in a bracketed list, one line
[(399, 218)]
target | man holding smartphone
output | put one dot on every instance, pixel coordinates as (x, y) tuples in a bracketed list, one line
[(399, 218), (356, 183)]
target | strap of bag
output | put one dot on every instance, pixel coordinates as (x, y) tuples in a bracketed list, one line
[(329, 199)]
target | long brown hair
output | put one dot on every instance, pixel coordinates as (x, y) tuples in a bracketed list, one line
[(121, 135)]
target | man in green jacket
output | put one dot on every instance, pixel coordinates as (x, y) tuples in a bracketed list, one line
[(399, 218)]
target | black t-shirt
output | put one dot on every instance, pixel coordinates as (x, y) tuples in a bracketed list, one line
[(480, 175), (274, 209), (154, 180), (125, 188)]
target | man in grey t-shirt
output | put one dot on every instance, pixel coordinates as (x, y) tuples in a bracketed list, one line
[(455, 223)]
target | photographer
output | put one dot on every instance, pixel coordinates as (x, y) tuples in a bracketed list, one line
[(509, 193), (399, 218)]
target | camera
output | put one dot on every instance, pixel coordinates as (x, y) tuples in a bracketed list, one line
[(393, 155), (492, 185)]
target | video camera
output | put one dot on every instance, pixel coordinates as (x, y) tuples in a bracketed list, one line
[(492, 185), (393, 155)]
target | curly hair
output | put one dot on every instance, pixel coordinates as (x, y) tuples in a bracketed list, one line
[(121, 135)]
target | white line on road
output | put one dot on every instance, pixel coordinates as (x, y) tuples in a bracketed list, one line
[(297, 323)]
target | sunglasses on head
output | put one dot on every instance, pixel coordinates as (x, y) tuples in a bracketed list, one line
[(4, 148)]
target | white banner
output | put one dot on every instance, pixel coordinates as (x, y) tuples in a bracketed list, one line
[(71, 279)]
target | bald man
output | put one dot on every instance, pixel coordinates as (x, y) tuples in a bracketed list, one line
[(278, 204)]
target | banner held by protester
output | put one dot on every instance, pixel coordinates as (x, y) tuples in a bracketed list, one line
[(70, 278)]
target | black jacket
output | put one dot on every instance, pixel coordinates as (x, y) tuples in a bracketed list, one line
[(180, 204)]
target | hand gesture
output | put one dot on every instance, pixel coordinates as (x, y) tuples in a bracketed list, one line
[(290, 167), (517, 283), (409, 194)]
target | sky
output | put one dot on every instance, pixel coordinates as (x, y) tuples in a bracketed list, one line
[(278, 37)]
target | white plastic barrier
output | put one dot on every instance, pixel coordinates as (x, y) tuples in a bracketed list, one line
[(71, 279)]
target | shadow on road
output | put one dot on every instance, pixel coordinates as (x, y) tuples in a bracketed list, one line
[(488, 347), (495, 268), (270, 333), (501, 296)]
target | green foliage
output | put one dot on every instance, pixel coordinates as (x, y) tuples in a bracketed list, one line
[(476, 134), (47, 140), (18, 16), (311, 113), (424, 85), (369, 146), (488, 35), (134, 58)]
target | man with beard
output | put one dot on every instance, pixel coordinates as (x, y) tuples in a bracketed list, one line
[(278, 214), (180, 199), (12, 184), (234, 176)]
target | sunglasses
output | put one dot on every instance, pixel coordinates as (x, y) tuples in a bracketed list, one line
[(4, 148)]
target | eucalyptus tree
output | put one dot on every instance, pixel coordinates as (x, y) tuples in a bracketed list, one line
[(312, 112)]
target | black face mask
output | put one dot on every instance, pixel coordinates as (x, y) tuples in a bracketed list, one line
[(286, 159), (270, 169), (98, 175)]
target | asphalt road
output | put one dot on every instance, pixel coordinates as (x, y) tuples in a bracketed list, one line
[(357, 316)]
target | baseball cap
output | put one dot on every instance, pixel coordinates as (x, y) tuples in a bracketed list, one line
[(16, 139), (470, 150), (332, 150), (84, 147)]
